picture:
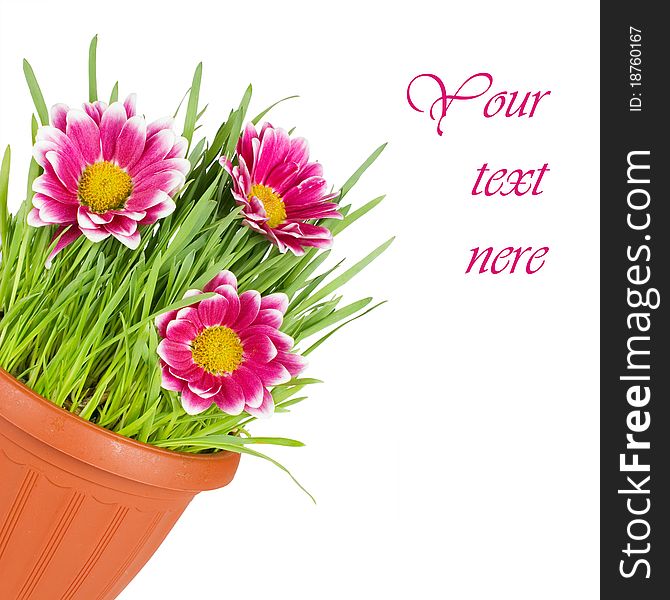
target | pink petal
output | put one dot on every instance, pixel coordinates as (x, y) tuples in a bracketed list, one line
[(278, 301), (309, 231), (100, 219), (280, 148), (308, 191), (91, 111), (167, 181), (141, 201), (270, 317), (57, 212), (325, 210), (226, 164), (250, 304), (321, 243), (192, 373), (230, 398), (223, 278), (159, 125), (279, 338), (311, 170), (295, 241), (207, 385), (58, 116), (84, 219), (181, 331), (272, 373), (130, 143), (40, 150), (259, 228), (162, 321), (244, 178), (251, 385), (155, 150), (255, 210), (256, 147), (294, 363), (68, 236), (175, 354), (169, 381), (65, 169), (85, 133), (95, 235), (48, 133), (131, 241), (266, 232), (194, 404), (160, 211), (95, 110), (121, 225), (284, 241), (190, 313), (299, 151), (34, 219), (245, 146), (110, 127), (212, 311), (179, 149), (63, 144), (191, 293), (265, 410), (130, 105), (131, 214), (230, 294), (181, 165), (259, 349), (267, 156), (282, 176), (40, 200), (49, 185)]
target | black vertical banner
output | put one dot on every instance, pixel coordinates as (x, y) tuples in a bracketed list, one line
[(635, 268)]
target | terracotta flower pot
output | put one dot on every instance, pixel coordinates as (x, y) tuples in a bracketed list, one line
[(81, 508)]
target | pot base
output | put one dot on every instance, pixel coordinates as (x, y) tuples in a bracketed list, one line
[(72, 526)]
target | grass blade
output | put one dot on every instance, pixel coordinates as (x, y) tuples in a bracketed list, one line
[(238, 447), (4, 192), (36, 93), (320, 341), (92, 70), (335, 317), (192, 107), (339, 226), (346, 276), (351, 182), (114, 97), (256, 120)]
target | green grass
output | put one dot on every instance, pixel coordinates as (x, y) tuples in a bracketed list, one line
[(81, 333)]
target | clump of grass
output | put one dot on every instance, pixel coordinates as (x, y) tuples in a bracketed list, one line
[(81, 333)]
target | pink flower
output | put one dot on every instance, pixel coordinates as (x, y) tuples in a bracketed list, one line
[(227, 350), (105, 172), (280, 190)]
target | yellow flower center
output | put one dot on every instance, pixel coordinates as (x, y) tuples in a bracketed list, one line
[(103, 186), (272, 202), (218, 350)]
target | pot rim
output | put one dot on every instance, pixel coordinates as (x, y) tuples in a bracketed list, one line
[(103, 449)]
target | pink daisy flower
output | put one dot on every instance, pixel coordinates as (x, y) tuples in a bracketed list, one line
[(105, 172), (280, 190), (227, 350)]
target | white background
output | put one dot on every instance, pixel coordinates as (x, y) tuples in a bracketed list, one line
[(453, 449)]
